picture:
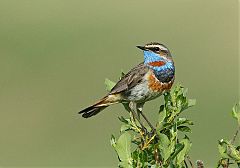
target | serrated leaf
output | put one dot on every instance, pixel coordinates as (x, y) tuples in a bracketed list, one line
[(109, 84)]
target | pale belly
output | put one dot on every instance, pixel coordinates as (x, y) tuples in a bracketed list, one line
[(142, 93)]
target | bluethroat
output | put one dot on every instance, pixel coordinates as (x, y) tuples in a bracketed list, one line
[(147, 81)]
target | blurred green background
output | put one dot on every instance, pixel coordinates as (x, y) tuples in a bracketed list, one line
[(55, 55)]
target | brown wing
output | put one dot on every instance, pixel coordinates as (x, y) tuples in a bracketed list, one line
[(130, 79)]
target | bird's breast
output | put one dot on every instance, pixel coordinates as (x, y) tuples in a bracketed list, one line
[(155, 85), (164, 73), (149, 88)]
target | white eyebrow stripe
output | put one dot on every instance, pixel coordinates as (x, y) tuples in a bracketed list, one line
[(160, 46), (163, 48)]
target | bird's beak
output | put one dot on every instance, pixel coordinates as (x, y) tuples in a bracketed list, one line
[(141, 47)]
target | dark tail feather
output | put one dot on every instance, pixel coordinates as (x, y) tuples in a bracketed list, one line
[(99, 106), (91, 111)]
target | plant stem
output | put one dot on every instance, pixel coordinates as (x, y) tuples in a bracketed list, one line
[(189, 160), (185, 163), (235, 135), (232, 141)]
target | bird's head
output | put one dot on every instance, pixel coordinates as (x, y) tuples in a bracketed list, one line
[(155, 52)]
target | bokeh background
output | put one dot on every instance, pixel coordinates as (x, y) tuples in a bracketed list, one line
[(55, 55)]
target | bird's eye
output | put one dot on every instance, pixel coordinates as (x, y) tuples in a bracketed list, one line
[(155, 49)]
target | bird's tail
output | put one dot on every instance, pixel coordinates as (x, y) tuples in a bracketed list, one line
[(99, 106)]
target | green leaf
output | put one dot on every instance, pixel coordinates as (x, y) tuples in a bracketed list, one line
[(173, 134), (222, 148), (181, 121), (123, 148), (125, 127), (125, 165), (164, 144), (183, 153), (113, 141), (234, 153), (161, 118), (171, 149), (184, 128), (143, 158), (122, 119), (109, 84), (178, 148), (236, 112), (228, 150)]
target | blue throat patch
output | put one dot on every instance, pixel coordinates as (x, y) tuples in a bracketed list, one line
[(164, 73)]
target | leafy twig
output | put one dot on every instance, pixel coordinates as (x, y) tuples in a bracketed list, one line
[(236, 134), (230, 154), (162, 147)]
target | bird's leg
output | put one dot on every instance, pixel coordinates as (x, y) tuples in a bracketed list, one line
[(139, 110), (153, 131), (133, 107), (145, 118)]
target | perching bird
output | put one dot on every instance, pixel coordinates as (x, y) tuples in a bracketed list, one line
[(145, 82)]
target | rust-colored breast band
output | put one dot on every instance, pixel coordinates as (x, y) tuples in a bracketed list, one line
[(157, 63), (158, 86)]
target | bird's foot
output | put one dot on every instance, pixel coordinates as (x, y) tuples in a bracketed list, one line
[(145, 131), (152, 133)]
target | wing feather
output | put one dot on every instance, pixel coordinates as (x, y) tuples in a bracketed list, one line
[(130, 79)]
